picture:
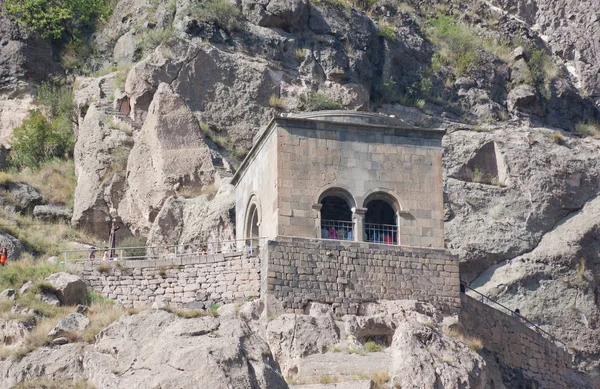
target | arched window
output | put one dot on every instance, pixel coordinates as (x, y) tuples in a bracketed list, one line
[(381, 225), (252, 226), (336, 215)]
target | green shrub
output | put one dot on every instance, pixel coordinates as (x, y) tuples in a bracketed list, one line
[(456, 44), (222, 12), (97, 298), (373, 347), (45, 133), (57, 18), (38, 139), (320, 102), (151, 39), (387, 31), (387, 92)]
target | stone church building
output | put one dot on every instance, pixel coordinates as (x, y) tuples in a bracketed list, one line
[(351, 206), (343, 175)]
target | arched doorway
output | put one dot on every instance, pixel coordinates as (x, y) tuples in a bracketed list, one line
[(336, 215), (381, 221), (252, 226)]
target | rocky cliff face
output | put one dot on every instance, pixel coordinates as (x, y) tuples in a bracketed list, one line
[(157, 144)]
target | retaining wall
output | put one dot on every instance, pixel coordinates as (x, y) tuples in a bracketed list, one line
[(297, 271), (218, 278), (515, 344)]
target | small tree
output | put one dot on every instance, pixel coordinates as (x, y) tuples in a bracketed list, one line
[(38, 139), (53, 19)]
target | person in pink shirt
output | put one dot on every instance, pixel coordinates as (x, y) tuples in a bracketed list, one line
[(333, 234)]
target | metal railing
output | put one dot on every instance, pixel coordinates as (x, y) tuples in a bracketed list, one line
[(250, 246), (381, 233), (531, 325), (337, 229)]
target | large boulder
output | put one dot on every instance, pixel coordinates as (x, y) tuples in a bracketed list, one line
[(292, 337), (69, 288), (157, 349), (195, 220), (13, 332), (75, 322), (170, 140), (12, 244), (522, 97), (24, 196), (427, 358), (52, 213)]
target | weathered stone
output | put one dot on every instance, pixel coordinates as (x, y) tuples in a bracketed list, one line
[(73, 323), (8, 294), (52, 213), (69, 288), (48, 298)]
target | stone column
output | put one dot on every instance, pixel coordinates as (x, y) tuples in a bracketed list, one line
[(317, 215), (358, 217)]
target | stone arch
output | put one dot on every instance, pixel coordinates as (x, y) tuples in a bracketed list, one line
[(336, 207), (382, 217), (338, 191), (252, 220)]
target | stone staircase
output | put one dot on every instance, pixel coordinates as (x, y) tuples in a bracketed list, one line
[(107, 105)]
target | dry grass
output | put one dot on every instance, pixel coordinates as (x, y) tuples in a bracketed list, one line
[(379, 378), (581, 270), (101, 315), (588, 128), (103, 268), (276, 102), (38, 336), (15, 274), (119, 125), (328, 379), (55, 179), (557, 138), (41, 238), (473, 343), (300, 54)]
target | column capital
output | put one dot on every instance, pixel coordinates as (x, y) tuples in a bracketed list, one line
[(359, 211)]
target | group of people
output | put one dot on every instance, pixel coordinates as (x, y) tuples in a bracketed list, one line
[(332, 233), (380, 238), (105, 257)]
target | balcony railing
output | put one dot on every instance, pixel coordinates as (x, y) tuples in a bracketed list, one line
[(337, 229), (381, 233)]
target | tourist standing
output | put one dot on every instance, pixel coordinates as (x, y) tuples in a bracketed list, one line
[(3, 256)]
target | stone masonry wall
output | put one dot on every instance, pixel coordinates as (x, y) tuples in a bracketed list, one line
[(208, 279), (297, 271), (405, 165), (516, 345)]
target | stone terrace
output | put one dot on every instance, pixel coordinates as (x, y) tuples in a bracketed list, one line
[(297, 271), (222, 278)]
